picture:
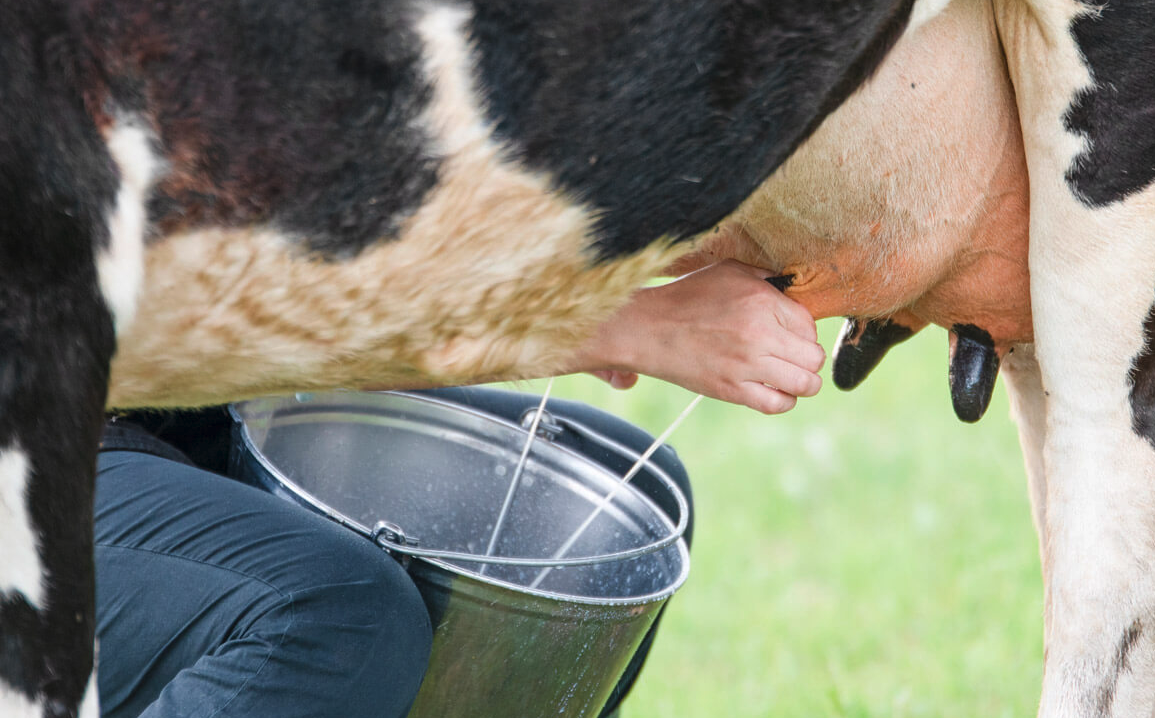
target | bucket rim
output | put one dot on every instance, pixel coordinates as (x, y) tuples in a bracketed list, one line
[(392, 540)]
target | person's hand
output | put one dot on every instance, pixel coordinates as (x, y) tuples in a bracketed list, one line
[(722, 331)]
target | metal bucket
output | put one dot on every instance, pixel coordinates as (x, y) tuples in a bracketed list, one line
[(523, 633)]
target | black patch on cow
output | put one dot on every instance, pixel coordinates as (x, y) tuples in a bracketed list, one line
[(10, 372), (974, 367), (664, 114), (1142, 377), (1117, 113), (18, 653), (863, 345), (304, 114)]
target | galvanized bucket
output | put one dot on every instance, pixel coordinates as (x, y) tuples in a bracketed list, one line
[(521, 629)]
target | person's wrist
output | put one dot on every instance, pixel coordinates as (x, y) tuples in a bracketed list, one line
[(614, 343)]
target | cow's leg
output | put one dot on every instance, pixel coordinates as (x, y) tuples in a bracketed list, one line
[(56, 342), (70, 241), (1088, 139)]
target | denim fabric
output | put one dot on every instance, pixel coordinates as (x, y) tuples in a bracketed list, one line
[(216, 599)]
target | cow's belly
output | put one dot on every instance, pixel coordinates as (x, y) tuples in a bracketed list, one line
[(912, 197)]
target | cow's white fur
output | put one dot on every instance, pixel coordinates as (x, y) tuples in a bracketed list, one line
[(454, 113), (15, 705), (1099, 494), (20, 568), (121, 265), (90, 703)]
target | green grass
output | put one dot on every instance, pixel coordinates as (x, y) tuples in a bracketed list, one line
[(866, 554)]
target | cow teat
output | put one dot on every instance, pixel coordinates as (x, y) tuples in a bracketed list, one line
[(974, 358), (974, 366), (863, 343)]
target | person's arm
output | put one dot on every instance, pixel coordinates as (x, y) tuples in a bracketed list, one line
[(722, 331)]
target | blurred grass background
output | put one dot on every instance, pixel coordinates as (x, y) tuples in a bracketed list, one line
[(866, 554)]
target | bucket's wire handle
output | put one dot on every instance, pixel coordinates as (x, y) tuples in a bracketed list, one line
[(565, 547), (517, 472)]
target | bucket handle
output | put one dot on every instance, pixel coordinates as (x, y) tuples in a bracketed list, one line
[(390, 537)]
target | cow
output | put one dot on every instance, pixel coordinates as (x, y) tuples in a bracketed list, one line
[(209, 201)]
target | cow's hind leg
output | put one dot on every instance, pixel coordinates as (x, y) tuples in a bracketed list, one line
[(58, 198), (1089, 143)]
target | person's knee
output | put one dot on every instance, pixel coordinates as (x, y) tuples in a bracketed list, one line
[(396, 658), (404, 631), (364, 621)]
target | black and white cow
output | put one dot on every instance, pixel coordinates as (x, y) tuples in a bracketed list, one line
[(235, 197)]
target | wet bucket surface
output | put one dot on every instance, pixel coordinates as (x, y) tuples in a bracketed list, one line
[(438, 474)]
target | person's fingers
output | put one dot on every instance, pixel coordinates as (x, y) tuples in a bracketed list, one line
[(765, 399), (804, 353), (791, 315), (788, 378), (795, 318)]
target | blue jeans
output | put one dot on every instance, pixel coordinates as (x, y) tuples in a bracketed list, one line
[(217, 599)]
